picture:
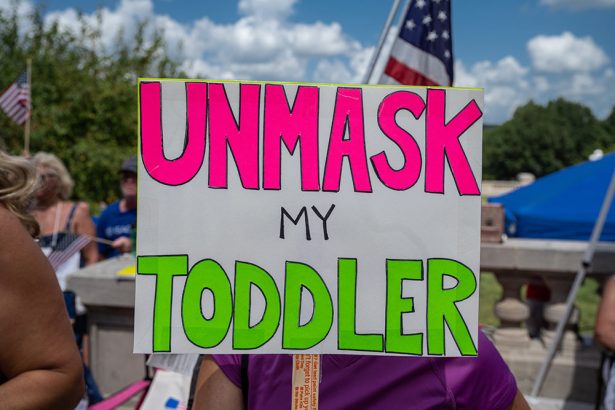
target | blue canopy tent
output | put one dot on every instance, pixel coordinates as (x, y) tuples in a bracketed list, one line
[(562, 205)]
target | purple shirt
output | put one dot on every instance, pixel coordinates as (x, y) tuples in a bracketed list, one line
[(383, 382)]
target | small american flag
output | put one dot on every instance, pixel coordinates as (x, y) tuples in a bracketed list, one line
[(67, 245), (15, 100), (422, 53)]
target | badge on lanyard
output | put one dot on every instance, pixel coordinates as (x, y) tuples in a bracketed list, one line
[(306, 380)]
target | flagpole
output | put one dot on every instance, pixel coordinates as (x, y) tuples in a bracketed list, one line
[(383, 36), (26, 137)]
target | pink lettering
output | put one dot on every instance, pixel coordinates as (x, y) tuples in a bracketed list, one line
[(180, 170), (241, 137), (296, 126), (442, 140), (407, 175), (348, 115)]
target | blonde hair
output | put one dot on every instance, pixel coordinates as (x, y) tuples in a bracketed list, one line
[(17, 182), (54, 163)]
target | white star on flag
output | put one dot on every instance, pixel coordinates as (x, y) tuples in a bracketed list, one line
[(422, 52)]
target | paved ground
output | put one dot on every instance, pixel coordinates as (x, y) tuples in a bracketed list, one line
[(540, 403)]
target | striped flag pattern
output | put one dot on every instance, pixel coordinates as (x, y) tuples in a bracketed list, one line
[(15, 100), (422, 53), (67, 245)]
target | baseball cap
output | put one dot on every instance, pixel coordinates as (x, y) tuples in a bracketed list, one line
[(129, 164)]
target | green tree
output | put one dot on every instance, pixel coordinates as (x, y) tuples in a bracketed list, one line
[(543, 139), (609, 127), (84, 97)]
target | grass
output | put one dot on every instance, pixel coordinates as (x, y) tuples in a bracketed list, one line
[(587, 301), (490, 293)]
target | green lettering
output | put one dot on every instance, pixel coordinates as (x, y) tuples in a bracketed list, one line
[(347, 338), (164, 268), (396, 341), (203, 332), (442, 308), (244, 335), (295, 336)]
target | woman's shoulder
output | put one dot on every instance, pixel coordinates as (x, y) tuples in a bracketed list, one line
[(78, 208), (481, 382), (14, 237), (10, 224)]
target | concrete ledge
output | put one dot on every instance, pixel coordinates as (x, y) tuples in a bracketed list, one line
[(110, 302), (544, 256), (98, 285)]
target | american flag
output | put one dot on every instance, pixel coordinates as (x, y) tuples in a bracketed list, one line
[(422, 53), (67, 245), (15, 100)]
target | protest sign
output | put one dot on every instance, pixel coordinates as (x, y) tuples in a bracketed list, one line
[(304, 218)]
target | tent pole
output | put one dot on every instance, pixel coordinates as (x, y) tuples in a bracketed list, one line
[(585, 266)]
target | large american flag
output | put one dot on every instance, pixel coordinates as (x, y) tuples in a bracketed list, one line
[(422, 53), (15, 100)]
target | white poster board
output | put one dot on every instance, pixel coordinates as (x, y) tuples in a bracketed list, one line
[(287, 218)]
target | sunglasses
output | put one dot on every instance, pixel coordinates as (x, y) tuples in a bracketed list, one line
[(128, 175), (48, 175)]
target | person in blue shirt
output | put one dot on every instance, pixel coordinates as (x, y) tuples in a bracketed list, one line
[(118, 220)]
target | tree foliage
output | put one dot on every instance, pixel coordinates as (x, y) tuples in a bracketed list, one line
[(543, 139), (609, 125), (84, 97)]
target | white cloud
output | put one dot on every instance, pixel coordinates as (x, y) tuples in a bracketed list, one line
[(332, 72), (578, 4), (506, 85), (24, 9), (260, 45), (541, 84), (556, 54), (358, 63), (320, 39), (596, 91), (583, 84), (125, 19), (463, 76), (263, 44), (505, 70)]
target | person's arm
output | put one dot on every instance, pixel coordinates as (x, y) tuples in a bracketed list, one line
[(519, 402), (123, 244), (84, 225), (101, 224), (604, 330), (483, 382), (38, 353), (214, 391)]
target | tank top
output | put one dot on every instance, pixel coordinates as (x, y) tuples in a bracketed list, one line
[(54, 241)]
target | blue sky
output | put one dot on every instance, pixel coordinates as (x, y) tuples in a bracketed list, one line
[(516, 49)]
